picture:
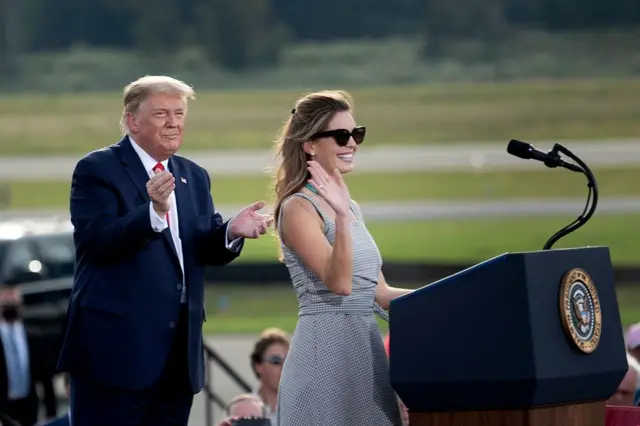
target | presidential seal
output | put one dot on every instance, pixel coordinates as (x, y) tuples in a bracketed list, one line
[(580, 310)]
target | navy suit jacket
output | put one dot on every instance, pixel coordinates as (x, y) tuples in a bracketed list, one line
[(60, 421), (127, 287)]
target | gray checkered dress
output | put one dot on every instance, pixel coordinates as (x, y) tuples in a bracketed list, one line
[(336, 371)]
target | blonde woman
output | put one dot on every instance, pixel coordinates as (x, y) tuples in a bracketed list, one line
[(336, 371)]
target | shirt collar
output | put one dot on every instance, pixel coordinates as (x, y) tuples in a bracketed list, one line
[(147, 161)]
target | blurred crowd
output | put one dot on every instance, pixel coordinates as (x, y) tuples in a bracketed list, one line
[(628, 393), (267, 358)]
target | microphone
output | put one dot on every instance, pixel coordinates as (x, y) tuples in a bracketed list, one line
[(551, 159)]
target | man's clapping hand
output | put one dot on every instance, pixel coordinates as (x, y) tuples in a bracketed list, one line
[(159, 188), (248, 223)]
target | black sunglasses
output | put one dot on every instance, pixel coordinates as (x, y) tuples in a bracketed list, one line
[(342, 136), (275, 360)]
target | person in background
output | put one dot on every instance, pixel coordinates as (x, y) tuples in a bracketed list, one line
[(267, 358), (63, 420), (244, 405), (632, 340), (336, 371), (626, 392), (23, 364), (386, 343)]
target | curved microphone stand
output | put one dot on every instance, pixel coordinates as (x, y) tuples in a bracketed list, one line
[(592, 197)]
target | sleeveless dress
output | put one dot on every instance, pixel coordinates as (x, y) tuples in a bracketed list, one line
[(336, 371)]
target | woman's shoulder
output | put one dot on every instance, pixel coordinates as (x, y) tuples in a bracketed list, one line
[(296, 203)]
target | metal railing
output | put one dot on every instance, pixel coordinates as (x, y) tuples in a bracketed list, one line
[(212, 397)]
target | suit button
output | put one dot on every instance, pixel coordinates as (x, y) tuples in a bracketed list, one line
[(172, 324), (179, 286)]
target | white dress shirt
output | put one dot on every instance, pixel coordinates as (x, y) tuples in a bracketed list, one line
[(159, 223), (18, 372)]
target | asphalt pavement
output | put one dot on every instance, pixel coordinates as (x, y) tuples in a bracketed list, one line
[(388, 158)]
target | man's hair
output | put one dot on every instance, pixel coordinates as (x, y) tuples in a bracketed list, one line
[(267, 338), (137, 92), (246, 397)]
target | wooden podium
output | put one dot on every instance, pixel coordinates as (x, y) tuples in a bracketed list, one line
[(523, 339)]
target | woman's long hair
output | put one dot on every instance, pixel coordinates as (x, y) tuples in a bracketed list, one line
[(311, 114)]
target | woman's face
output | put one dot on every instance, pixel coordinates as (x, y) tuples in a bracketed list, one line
[(327, 151), (270, 368)]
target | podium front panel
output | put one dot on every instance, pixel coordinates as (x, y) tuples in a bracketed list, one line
[(492, 336)]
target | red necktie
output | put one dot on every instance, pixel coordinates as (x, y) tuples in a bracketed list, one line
[(160, 167)]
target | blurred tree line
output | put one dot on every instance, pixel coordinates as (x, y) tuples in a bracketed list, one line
[(243, 34)]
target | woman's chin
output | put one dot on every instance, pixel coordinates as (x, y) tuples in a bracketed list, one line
[(345, 168)]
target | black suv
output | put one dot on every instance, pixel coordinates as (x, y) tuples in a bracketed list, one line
[(41, 264)]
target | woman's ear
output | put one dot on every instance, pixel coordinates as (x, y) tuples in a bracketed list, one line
[(309, 148)]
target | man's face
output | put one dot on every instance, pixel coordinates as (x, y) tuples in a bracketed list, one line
[(158, 124), (10, 304), (270, 369), (246, 408)]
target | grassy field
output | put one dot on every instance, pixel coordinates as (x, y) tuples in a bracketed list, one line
[(383, 187), (478, 239), (250, 309), (56, 124)]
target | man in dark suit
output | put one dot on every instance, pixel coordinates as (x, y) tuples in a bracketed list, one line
[(145, 229), (23, 364)]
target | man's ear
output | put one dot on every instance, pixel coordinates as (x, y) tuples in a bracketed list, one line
[(131, 122)]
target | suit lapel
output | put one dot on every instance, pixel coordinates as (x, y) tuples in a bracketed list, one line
[(139, 176), (134, 168)]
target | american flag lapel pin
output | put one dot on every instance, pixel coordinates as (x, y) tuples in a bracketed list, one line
[(183, 180)]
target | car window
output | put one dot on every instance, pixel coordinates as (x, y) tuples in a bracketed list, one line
[(57, 253), (18, 258), (56, 248), (4, 247)]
